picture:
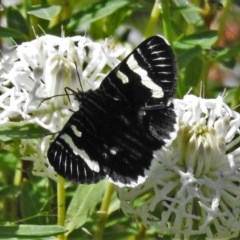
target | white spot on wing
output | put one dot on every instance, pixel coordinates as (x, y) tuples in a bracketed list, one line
[(94, 166), (157, 91), (71, 168), (76, 132), (77, 170), (122, 77), (113, 151)]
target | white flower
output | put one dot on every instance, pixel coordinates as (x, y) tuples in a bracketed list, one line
[(44, 68), (193, 188)]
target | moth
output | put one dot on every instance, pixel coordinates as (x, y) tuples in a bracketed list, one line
[(120, 125)]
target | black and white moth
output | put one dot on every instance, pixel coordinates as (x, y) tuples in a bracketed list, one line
[(120, 125)]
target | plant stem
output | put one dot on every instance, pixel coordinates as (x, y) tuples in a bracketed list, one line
[(61, 205), (167, 28), (152, 22), (98, 234), (18, 174), (223, 19), (141, 232), (206, 65)]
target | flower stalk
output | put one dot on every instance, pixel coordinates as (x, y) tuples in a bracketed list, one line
[(103, 212), (61, 211), (167, 26), (154, 17)]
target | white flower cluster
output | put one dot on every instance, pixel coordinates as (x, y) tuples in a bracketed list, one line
[(34, 76), (43, 68), (193, 187)]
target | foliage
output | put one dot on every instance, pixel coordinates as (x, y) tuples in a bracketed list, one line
[(199, 33)]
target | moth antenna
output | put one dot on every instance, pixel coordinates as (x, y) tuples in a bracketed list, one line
[(73, 93), (59, 95)]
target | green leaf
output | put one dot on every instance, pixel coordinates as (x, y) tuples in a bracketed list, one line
[(229, 63), (95, 12), (228, 52), (185, 56), (21, 130), (6, 191), (189, 12), (192, 77), (83, 204), (15, 20), (47, 12), (21, 231), (11, 33), (30, 203), (204, 39), (114, 204)]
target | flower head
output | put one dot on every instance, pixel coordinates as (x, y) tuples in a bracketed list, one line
[(34, 76), (193, 186), (43, 68)]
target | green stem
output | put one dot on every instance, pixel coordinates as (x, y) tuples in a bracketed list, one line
[(11, 206), (61, 205), (204, 76), (167, 26), (223, 19), (152, 22), (141, 232), (98, 234), (18, 174)]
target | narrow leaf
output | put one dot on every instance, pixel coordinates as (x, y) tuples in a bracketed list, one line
[(192, 78), (15, 20), (30, 231), (46, 13), (21, 130), (186, 55), (189, 12), (204, 39), (32, 197), (83, 204), (94, 13), (11, 33)]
